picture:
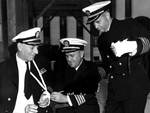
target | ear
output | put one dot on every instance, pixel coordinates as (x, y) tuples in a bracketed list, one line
[(82, 54), (19, 46), (107, 14)]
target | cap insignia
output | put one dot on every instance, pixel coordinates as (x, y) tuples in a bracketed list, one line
[(66, 43), (88, 13), (37, 34)]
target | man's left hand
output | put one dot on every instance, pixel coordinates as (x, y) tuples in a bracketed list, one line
[(44, 100)]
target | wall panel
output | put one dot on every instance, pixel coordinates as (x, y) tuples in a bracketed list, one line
[(55, 31), (71, 27)]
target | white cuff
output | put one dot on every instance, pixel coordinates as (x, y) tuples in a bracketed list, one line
[(69, 101)]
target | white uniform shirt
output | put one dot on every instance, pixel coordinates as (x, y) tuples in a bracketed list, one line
[(21, 101)]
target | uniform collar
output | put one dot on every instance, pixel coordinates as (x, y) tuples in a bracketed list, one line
[(79, 65)]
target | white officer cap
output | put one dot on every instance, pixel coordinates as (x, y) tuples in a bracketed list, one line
[(29, 37), (72, 44), (95, 10)]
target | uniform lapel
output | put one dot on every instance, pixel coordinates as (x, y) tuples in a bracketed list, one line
[(14, 70), (35, 72), (80, 71)]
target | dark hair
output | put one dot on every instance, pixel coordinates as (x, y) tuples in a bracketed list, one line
[(12, 49), (145, 21)]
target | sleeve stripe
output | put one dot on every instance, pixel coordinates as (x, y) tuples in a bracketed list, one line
[(80, 99), (77, 99), (83, 99), (146, 45)]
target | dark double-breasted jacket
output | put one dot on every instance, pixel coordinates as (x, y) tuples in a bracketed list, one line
[(127, 76), (80, 86), (9, 85)]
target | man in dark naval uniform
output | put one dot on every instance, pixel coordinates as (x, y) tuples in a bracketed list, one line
[(122, 45), (22, 77), (77, 80)]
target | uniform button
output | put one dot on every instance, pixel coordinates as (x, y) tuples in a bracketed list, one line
[(108, 56), (6, 111), (111, 77), (46, 111), (110, 66), (120, 63), (9, 99), (123, 74)]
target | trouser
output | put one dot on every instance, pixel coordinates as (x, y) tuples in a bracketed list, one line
[(132, 105)]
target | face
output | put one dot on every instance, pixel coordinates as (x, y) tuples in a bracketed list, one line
[(74, 58), (102, 23), (27, 52)]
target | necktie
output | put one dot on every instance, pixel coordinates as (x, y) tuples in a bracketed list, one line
[(27, 82)]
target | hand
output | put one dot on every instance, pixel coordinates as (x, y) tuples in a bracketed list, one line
[(59, 97), (44, 100), (102, 72), (122, 47), (148, 96), (31, 108)]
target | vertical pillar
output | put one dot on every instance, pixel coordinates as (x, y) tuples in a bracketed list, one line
[(80, 27), (1, 33), (4, 30), (86, 36), (63, 27), (128, 12), (113, 8), (1, 21), (46, 30)]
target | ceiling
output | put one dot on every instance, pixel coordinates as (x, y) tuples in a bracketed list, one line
[(59, 7)]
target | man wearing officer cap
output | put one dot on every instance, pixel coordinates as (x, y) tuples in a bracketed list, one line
[(75, 89), (122, 44), (22, 84)]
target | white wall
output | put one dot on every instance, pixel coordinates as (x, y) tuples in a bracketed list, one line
[(120, 9), (71, 27), (55, 30), (141, 8)]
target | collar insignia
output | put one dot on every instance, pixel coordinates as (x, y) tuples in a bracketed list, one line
[(66, 43), (43, 70), (88, 13)]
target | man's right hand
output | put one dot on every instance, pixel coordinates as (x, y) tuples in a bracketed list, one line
[(31, 108), (44, 100)]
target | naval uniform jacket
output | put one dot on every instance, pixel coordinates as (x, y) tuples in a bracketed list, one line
[(9, 85), (127, 76), (80, 86)]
